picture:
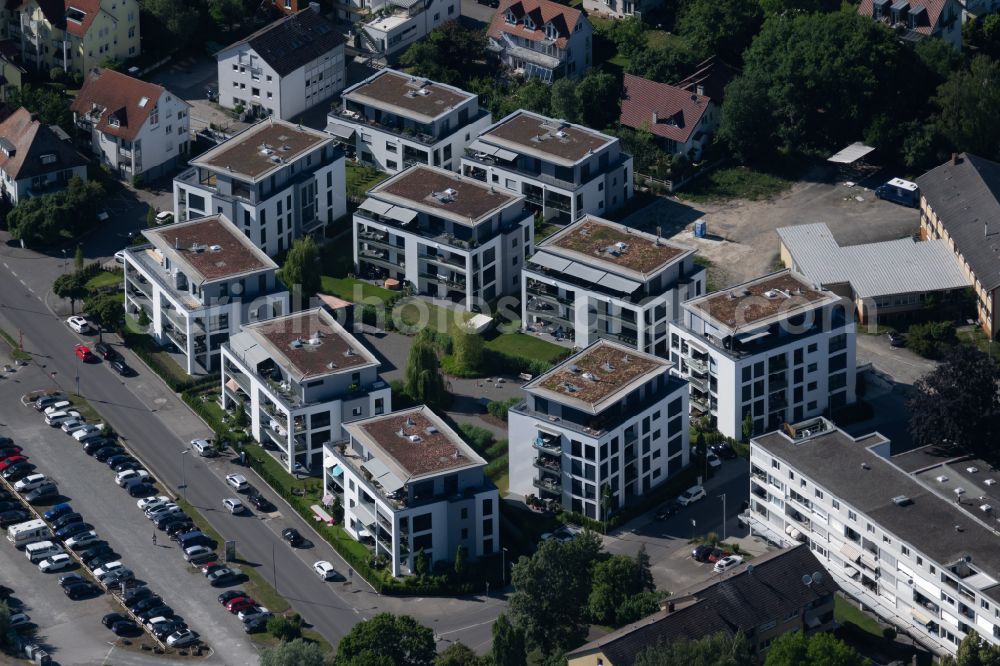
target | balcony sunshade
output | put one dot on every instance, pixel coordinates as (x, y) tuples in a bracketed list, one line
[(252, 355), (403, 215), (586, 273), (618, 283), (363, 514), (921, 616), (480, 147), (850, 551), (375, 206), (505, 155), (376, 467), (339, 131), (337, 470), (389, 482), (550, 261)]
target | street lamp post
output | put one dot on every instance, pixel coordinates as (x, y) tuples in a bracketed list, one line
[(503, 561), (723, 498), (184, 485), (64, 260)]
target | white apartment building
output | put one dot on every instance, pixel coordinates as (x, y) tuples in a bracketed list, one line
[(392, 26), (913, 537), (300, 377), (606, 415), (776, 348), (450, 237), (284, 68), (599, 279), (541, 39), (392, 121), (564, 171), (136, 128), (198, 282), (408, 482), (276, 181)]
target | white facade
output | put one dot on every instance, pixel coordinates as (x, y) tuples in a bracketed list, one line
[(296, 413), (465, 242), (397, 506), (594, 280), (392, 121), (565, 450), (272, 202), (890, 538), (400, 23), (620, 8), (792, 363), (541, 39), (564, 171), (196, 312)]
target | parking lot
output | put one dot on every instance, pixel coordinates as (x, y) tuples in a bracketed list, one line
[(72, 629)]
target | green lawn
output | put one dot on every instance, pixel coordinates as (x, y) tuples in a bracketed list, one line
[(105, 279), (658, 39), (847, 612), (526, 346), (337, 256), (735, 183), (977, 338), (443, 320), (360, 179), (351, 289), (15, 350)]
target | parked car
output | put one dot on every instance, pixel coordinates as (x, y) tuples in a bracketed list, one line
[(92, 446), (66, 519), (56, 419), (135, 595), (175, 527), (240, 604), (229, 595), (13, 517), (121, 367), (691, 495), (667, 509), (56, 563), (144, 604), (727, 563), (88, 431), (292, 536), (118, 459), (233, 506), (147, 503), (150, 616), (163, 510), (101, 560), (700, 552), (724, 451), (127, 465), (105, 351), (139, 488), (237, 481), (71, 426), (126, 628), (118, 577), (256, 624), (896, 339), (8, 451), (166, 629), (78, 324), (261, 503), (130, 474), (102, 455), (82, 540), (18, 471), (718, 554), (10, 461), (107, 568), (47, 400), (73, 529), (111, 618), (165, 522), (326, 571), (19, 620), (252, 612), (81, 590), (226, 577), (204, 448), (42, 493), (198, 554), (84, 354), (93, 551), (713, 460), (71, 579)]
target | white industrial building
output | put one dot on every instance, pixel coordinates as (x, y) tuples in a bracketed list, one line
[(409, 483), (198, 282), (607, 415), (599, 279), (276, 181), (913, 537), (392, 121), (564, 171), (450, 237), (300, 377), (772, 350)]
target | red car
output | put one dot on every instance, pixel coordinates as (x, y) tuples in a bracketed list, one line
[(13, 460), (84, 354), (240, 604)]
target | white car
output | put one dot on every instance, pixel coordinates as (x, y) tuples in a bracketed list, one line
[(88, 430), (78, 324), (19, 620), (691, 495), (81, 540), (194, 552), (107, 568), (237, 481), (58, 418), (30, 482), (55, 563), (325, 570), (152, 502), (233, 506), (252, 612), (73, 425), (153, 621), (161, 511), (60, 406), (727, 563), (124, 476), (182, 637), (713, 460)]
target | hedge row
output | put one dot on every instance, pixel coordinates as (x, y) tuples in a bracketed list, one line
[(145, 348), (193, 399)]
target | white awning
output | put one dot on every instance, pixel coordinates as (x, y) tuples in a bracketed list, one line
[(253, 355), (364, 514), (619, 283), (586, 272), (852, 572), (922, 616), (480, 147), (376, 467), (389, 482), (869, 560), (374, 206), (850, 551), (404, 215), (550, 261), (340, 131), (505, 155), (851, 154)]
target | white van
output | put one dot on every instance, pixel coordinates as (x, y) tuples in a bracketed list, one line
[(36, 552), (28, 532)]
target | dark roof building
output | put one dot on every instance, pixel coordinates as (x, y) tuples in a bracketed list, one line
[(293, 41), (33, 157)]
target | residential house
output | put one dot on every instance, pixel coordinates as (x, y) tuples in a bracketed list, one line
[(134, 127), (198, 282), (75, 35), (289, 7), (389, 27), (300, 377), (392, 120), (912, 536), (34, 158), (916, 20), (276, 181), (598, 279), (780, 592), (682, 122), (773, 350), (541, 39), (450, 237), (606, 416), (284, 68), (409, 483), (564, 171), (709, 78)]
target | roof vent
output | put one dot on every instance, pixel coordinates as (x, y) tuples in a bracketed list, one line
[(296, 343), (423, 92), (331, 366), (414, 439), (431, 430), (215, 248), (971, 470), (276, 159), (590, 377), (410, 422), (990, 482), (569, 387), (350, 352), (607, 367), (561, 134), (959, 528), (959, 491), (941, 478), (771, 293), (985, 508), (574, 369), (902, 500)]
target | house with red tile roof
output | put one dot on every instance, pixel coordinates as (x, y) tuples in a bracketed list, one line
[(135, 127), (682, 121), (541, 39), (918, 19), (34, 159), (75, 35)]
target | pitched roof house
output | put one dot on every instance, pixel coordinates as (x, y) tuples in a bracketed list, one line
[(683, 121), (33, 158), (542, 39), (918, 19)]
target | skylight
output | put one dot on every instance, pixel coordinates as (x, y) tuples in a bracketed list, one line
[(143, 102)]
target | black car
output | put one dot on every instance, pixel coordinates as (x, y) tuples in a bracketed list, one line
[(42, 493), (145, 603), (229, 579), (667, 510), (13, 517), (163, 521), (118, 459), (701, 552), (140, 488), (136, 594), (100, 560), (896, 339), (724, 451), (164, 629), (261, 503), (94, 550), (106, 351), (128, 464), (72, 530), (119, 576), (18, 471), (67, 519), (92, 446), (229, 595), (179, 527), (125, 628), (71, 579), (156, 611), (121, 367), (106, 452), (256, 625), (83, 590), (9, 505), (8, 451), (292, 536)]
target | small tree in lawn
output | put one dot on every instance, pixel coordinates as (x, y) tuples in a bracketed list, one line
[(70, 285), (421, 563), (240, 417), (301, 270), (78, 258), (424, 382), (468, 350), (461, 556)]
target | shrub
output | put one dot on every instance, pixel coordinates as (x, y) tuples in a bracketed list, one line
[(284, 628), (499, 408), (930, 339), (480, 439)]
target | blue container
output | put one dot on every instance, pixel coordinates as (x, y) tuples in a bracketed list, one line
[(700, 229)]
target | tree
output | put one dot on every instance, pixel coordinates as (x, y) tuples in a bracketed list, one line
[(168, 21), (563, 100), (636, 607), (642, 572), (461, 556), (973, 651), (284, 628), (451, 54), (107, 310), (747, 431), (615, 581), (551, 591), (607, 503), (598, 97), (968, 101), (301, 270), (667, 64), (721, 27), (930, 339), (225, 12), (956, 406), (468, 350), (421, 563), (143, 318), (78, 258), (534, 95), (719, 649), (628, 34), (508, 643), (458, 654), (150, 217), (779, 7), (821, 649), (70, 285), (48, 103), (296, 653), (398, 638), (424, 382), (56, 217)]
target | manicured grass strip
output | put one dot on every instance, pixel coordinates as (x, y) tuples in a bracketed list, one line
[(846, 611), (15, 349), (349, 289), (105, 279), (527, 346)]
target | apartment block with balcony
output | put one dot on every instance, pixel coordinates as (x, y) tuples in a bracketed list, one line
[(276, 181), (773, 350), (392, 26), (599, 279), (198, 282), (452, 238), (408, 482), (896, 532), (564, 171), (300, 377), (608, 415), (541, 39), (392, 121)]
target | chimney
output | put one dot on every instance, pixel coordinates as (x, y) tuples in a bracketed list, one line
[(670, 607), (700, 90), (656, 118), (954, 159)]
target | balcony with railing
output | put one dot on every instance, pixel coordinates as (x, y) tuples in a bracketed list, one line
[(380, 258), (549, 444), (356, 114), (456, 261), (548, 485), (548, 465), (416, 229), (448, 281), (541, 290)]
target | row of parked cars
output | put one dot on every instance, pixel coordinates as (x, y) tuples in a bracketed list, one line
[(105, 351)]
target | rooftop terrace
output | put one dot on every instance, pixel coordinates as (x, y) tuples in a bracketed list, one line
[(604, 242), (210, 247), (775, 296), (264, 147), (444, 193), (411, 95), (548, 137)]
